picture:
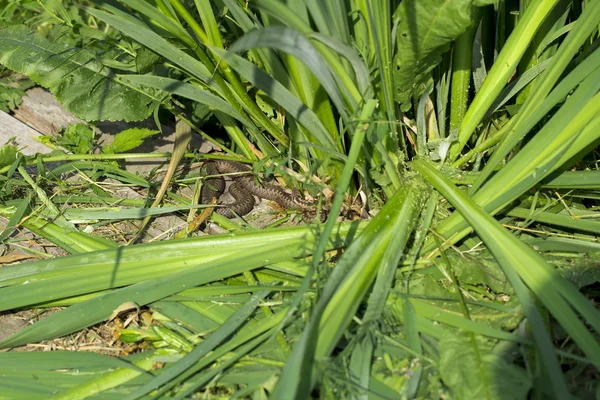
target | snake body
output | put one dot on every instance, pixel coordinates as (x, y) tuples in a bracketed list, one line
[(243, 189)]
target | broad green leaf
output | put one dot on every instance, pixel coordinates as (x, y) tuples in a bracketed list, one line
[(77, 138), (128, 139), (426, 30), (10, 97), (8, 155), (83, 85)]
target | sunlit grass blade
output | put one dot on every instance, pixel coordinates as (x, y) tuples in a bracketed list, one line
[(118, 267), (290, 383), (252, 331), (586, 24), (543, 154), (519, 261), (225, 330), (562, 89), (563, 221), (38, 375), (115, 213), (132, 27), (108, 169), (362, 260), (100, 308), (575, 180), (438, 314), (280, 95), (73, 242), (292, 42), (503, 67)]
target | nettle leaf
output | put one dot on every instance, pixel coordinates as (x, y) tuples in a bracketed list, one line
[(426, 30), (77, 138), (461, 371), (128, 139), (79, 81), (10, 97), (8, 154)]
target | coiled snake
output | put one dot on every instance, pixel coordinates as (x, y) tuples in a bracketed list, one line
[(243, 189)]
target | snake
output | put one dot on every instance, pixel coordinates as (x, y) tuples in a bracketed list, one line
[(243, 189)]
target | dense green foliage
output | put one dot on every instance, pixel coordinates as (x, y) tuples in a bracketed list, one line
[(468, 127)]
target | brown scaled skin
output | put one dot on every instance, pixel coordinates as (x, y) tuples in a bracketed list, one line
[(243, 189)]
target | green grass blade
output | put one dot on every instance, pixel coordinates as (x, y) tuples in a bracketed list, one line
[(250, 332), (281, 95), (100, 308), (575, 180), (358, 65), (191, 92), (585, 26), (503, 67), (17, 215), (170, 24), (286, 15), (519, 261), (101, 270), (542, 155), (216, 337), (132, 27), (73, 242), (564, 221), (296, 378), (292, 42)]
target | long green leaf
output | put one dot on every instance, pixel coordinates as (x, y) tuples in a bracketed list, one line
[(281, 95), (100, 308), (131, 27), (224, 331), (503, 67), (292, 42), (519, 261), (291, 383), (586, 24), (189, 91)]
